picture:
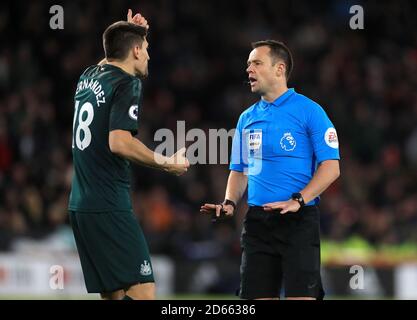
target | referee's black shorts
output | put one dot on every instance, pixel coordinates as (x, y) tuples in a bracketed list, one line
[(281, 251)]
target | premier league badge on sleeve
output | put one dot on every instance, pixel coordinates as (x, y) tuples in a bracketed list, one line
[(287, 142), (133, 112)]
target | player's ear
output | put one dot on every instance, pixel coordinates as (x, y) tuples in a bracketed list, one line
[(136, 52)]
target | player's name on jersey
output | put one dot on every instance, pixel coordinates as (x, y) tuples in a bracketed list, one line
[(93, 85)]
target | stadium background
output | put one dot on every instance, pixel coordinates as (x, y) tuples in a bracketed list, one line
[(365, 79)]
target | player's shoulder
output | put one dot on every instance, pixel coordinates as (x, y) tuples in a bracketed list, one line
[(116, 73), (90, 71), (123, 78), (131, 84), (119, 78)]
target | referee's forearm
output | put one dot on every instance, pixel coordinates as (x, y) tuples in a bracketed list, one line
[(236, 186), (327, 172)]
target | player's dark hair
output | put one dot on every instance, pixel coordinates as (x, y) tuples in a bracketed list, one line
[(120, 37), (279, 51)]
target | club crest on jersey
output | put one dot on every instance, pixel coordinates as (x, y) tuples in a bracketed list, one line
[(145, 268), (133, 112), (330, 137), (288, 142)]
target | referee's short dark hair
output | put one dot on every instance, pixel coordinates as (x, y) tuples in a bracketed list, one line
[(278, 51), (120, 37)]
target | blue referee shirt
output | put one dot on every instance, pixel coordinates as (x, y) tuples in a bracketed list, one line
[(279, 145)]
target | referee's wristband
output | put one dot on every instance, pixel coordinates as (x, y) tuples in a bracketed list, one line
[(229, 202)]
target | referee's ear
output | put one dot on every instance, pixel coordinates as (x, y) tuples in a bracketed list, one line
[(280, 68)]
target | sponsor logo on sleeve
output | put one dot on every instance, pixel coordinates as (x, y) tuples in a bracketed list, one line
[(331, 138)]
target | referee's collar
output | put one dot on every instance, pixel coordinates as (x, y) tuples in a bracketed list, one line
[(278, 101)]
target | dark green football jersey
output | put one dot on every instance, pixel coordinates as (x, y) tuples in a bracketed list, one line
[(106, 98)]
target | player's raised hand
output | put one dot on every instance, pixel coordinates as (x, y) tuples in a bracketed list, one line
[(137, 19), (178, 164), (129, 15)]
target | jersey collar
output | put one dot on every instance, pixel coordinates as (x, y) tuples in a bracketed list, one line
[(278, 101)]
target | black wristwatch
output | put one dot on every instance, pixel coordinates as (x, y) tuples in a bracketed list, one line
[(299, 198), (229, 202), (223, 215)]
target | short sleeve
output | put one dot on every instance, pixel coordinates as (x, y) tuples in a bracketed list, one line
[(323, 135), (125, 107), (238, 161)]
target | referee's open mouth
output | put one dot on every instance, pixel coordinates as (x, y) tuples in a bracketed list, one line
[(252, 81)]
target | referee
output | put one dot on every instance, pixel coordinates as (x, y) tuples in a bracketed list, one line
[(286, 152)]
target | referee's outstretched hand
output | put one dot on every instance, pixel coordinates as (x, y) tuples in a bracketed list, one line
[(282, 206), (217, 211)]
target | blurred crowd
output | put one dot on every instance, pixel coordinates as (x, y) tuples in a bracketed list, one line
[(365, 79)]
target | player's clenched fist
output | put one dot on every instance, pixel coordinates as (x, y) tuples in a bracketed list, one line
[(178, 164)]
